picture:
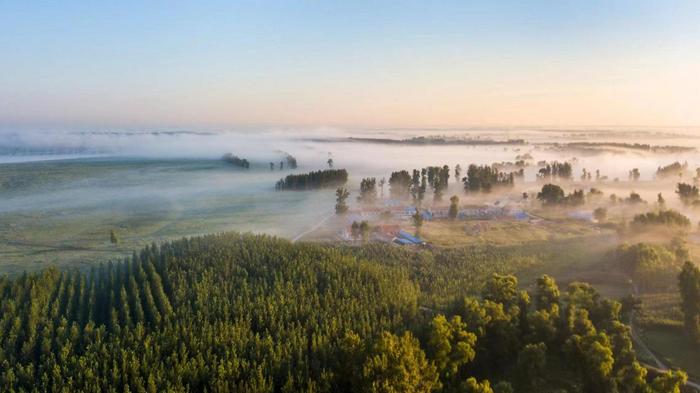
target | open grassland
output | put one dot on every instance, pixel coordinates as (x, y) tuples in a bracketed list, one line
[(450, 233), (62, 212), (672, 346)]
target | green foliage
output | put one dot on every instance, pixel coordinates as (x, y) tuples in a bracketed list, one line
[(547, 293), (471, 385), (451, 345), (651, 266), (532, 361), (313, 180), (668, 218), (689, 286), (670, 382), (551, 194), (399, 365), (217, 313), (251, 313)]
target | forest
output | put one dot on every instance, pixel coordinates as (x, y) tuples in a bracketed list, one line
[(313, 180), (233, 312)]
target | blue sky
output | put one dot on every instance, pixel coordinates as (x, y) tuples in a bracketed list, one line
[(361, 63)]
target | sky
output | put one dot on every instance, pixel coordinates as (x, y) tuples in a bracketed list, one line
[(383, 64)]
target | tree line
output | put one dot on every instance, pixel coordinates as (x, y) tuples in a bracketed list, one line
[(236, 161), (313, 180)]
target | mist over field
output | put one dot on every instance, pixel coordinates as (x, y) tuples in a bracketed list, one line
[(52, 181)]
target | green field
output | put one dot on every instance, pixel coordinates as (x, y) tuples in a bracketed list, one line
[(61, 212)]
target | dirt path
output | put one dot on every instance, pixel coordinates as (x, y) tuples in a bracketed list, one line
[(658, 362), (313, 228)]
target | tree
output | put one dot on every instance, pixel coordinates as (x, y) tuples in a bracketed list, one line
[(416, 187), (341, 196), (417, 221), (458, 172), (471, 385), (355, 230), (660, 201), (397, 364), (485, 178), (381, 186), (600, 214), (689, 286), (400, 184), (634, 174), (634, 199), (532, 361), (113, 237), (551, 194), (451, 345), (364, 231), (502, 289), (368, 191), (313, 180), (272, 166), (669, 382), (454, 207), (688, 193), (668, 218), (330, 163), (575, 198), (547, 293)]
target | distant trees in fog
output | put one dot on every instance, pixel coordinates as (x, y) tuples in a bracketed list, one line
[(674, 169), (368, 191), (484, 178), (634, 174), (668, 218), (360, 230), (454, 207), (687, 193), (634, 199), (418, 186), (236, 161), (341, 196), (600, 214), (313, 180), (555, 171), (552, 195), (417, 219), (291, 162), (400, 184)]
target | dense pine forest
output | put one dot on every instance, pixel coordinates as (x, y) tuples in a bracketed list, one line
[(251, 313)]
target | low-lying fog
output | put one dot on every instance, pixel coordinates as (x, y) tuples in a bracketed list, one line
[(101, 180)]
